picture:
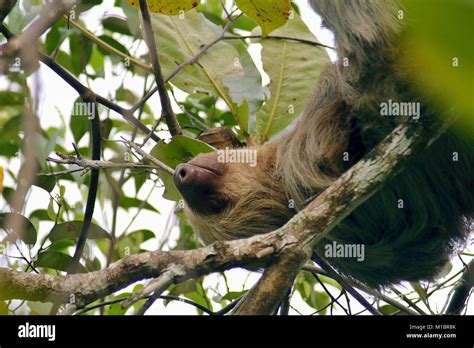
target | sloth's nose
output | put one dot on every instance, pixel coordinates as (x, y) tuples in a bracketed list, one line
[(183, 175), (182, 172)]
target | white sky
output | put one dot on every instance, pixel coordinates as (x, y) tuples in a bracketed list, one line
[(56, 98)]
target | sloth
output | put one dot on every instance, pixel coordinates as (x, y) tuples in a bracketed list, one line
[(411, 226)]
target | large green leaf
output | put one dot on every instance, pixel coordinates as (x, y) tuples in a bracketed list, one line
[(72, 229), (131, 202), (56, 260), (439, 51), (27, 233), (116, 24), (245, 90), (180, 38), (81, 51), (293, 68), (179, 150)]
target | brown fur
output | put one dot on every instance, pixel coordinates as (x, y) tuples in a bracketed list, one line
[(343, 118)]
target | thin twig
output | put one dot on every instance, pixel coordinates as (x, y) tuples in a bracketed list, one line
[(91, 164), (277, 37), (167, 110), (150, 158)]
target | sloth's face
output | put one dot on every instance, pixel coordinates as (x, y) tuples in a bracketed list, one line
[(229, 198)]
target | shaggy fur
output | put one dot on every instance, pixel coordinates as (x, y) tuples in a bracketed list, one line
[(343, 119)]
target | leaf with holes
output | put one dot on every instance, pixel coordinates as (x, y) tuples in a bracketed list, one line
[(167, 7)]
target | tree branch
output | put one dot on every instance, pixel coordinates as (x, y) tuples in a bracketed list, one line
[(285, 249), (83, 90), (314, 222), (87, 164), (462, 290), (173, 125)]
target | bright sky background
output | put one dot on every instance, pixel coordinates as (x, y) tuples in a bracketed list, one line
[(56, 97)]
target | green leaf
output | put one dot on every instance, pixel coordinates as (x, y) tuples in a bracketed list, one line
[(97, 62), (79, 123), (419, 290), (40, 214), (168, 7), (180, 149), (388, 309), (244, 23), (116, 308), (129, 244), (56, 260), (438, 49), (3, 308), (72, 229), (11, 98), (180, 39), (245, 90), (27, 233), (139, 180), (56, 36), (86, 5), (64, 59), (7, 194), (116, 25), (81, 51), (269, 14), (51, 212), (47, 183), (112, 42), (131, 202), (62, 245), (293, 68), (233, 295)]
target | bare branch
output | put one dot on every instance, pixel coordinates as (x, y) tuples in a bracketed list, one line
[(87, 164), (150, 158)]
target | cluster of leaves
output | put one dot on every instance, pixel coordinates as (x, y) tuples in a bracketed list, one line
[(222, 88)]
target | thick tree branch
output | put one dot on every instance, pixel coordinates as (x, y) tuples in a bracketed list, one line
[(89, 287), (328, 209)]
